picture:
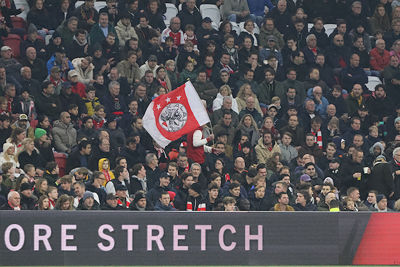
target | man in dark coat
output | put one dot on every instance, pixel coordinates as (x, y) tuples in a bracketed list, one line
[(155, 193), (80, 157), (353, 173), (381, 178), (28, 200), (133, 151)]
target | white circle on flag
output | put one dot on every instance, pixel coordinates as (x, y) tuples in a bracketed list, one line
[(173, 117)]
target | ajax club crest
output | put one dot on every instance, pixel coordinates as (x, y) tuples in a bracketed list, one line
[(173, 117)]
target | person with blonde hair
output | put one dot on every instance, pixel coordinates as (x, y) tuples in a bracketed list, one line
[(30, 155), (9, 155), (65, 202), (224, 91), (248, 126), (244, 92)]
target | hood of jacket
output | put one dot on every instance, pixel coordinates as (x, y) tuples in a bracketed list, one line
[(101, 164), (122, 26), (84, 43), (60, 124)]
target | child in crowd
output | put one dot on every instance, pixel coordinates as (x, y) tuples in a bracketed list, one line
[(104, 167), (99, 117), (91, 100)]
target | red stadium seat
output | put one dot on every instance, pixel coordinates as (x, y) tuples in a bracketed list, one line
[(61, 160), (18, 22), (13, 41)]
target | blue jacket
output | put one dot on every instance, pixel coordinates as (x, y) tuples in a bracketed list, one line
[(321, 107), (257, 6), (52, 63)]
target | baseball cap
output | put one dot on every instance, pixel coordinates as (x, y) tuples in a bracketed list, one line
[(72, 73), (23, 117), (206, 19), (305, 178), (5, 48)]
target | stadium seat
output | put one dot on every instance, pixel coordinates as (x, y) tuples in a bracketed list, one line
[(372, 82), (79, 3), (18, 22), (329, 28), (24, 4), (99, 5), (13, 41), (236, 27), (171, 12), (47, 39), (61, 160), (211, 11)]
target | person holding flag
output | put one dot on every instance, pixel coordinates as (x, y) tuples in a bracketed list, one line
[(180, 112), (197, 145)]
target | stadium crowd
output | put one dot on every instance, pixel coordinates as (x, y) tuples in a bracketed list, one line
[(294, 126)]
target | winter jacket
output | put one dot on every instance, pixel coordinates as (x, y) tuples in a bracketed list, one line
[(76, 49), (28, 203), (145, 67), (263, 153), (309, 207), (66, 34), (72, 98), (44, 105), (319, 107), (64, 136), (129, 71), (186, 75), (358, 75), (188, 17), (257, 7), (125, 33), (379, 61), (322, 38), (155, 193), (160, 207), (90, 105), (218, 101), (84, 76), (234, 7), (117, 137), (35, 159), (288, 152), (96, 34), (259, 204), (114, 105), (267, 90), (381, 179), (263, 37)]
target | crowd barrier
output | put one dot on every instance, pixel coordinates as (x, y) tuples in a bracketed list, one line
[(198, 238)]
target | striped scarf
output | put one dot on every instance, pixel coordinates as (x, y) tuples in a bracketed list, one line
[(318, 137)]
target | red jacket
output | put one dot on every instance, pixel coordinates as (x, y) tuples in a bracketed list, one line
[(80, 89), (194, 153), (379, 61)]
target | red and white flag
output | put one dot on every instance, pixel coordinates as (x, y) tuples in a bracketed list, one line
[(170, 116)]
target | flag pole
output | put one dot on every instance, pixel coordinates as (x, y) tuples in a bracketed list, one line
[(212, 132)]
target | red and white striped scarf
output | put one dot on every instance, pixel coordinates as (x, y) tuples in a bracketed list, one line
[(317, 137)]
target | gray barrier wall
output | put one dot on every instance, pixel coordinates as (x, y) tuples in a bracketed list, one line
[(179, 238)]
